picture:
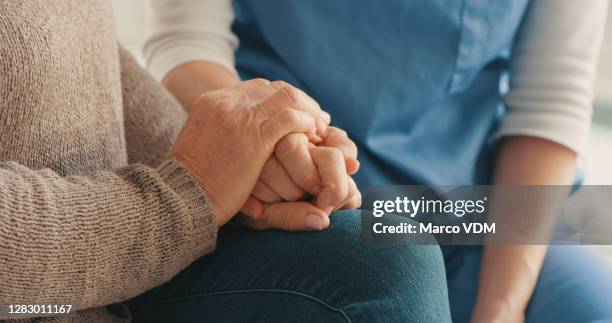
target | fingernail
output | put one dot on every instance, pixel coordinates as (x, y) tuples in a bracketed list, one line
[(328, 210), (314, 222), (316, 190)]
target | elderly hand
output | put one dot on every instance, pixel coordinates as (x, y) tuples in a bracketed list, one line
[(230, 133)]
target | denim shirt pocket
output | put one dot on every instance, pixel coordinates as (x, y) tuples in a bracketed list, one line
[(488, 28)]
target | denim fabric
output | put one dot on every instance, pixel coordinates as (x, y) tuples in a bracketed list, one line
[(329, 276), (574, 286)]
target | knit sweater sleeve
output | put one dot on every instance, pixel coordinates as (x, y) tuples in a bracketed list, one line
[(98, 239), (152, 116)]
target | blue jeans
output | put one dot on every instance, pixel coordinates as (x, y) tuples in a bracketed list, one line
[(574, 286), (329, 276)]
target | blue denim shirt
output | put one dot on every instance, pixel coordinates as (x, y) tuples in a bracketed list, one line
[(416, 83)]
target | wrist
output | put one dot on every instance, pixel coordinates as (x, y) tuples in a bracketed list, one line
[(190, 80), (498, 309)]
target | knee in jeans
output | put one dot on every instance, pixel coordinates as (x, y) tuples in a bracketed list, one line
[(374, 280), (384, 266)]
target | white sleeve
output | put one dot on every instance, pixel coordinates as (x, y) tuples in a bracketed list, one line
[(553, 71), (180, 31)]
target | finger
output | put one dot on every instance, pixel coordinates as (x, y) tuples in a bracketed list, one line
[(293, 154), (278, 180), (285, 122), (289, 216), (332, 171), (288, 96), (253, 208), (354, 196), (264, 193), (339, 139)]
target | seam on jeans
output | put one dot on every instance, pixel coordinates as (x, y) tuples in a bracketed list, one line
[(257, 290)]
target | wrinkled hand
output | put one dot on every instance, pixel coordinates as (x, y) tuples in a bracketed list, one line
[(230, 133), (299, 170)]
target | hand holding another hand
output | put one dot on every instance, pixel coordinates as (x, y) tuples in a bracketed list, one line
[(230, 133), (302, 183), (269, 144)]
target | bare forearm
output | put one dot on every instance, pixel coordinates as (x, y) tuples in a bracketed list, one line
[(188, 81), (509, 273)]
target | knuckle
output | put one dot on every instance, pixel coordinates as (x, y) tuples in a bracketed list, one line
[(287, 223), (260, 81), (222, 106), (288, 220), (206, 100), (339, 132), (292, 94), (291, 116), (337, 191), (278, 84), (287, 147)]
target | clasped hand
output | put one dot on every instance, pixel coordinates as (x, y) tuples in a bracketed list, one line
[(303, 182), (266, 148)]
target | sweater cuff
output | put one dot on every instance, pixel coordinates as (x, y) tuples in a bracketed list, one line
[(198, 206)]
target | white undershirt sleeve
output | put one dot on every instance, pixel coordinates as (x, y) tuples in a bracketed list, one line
[(553, 69), (180, 31)]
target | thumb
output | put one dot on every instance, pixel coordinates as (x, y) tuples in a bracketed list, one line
[(289, 216)]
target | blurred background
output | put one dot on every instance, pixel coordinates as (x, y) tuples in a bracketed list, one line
[(130, 22)]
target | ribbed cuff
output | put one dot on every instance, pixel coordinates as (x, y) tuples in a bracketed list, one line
[(197, 203)]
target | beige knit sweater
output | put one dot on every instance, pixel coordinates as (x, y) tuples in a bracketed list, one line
[(91, 213)]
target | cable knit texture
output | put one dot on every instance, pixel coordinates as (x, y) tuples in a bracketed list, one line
[(91, 210)]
